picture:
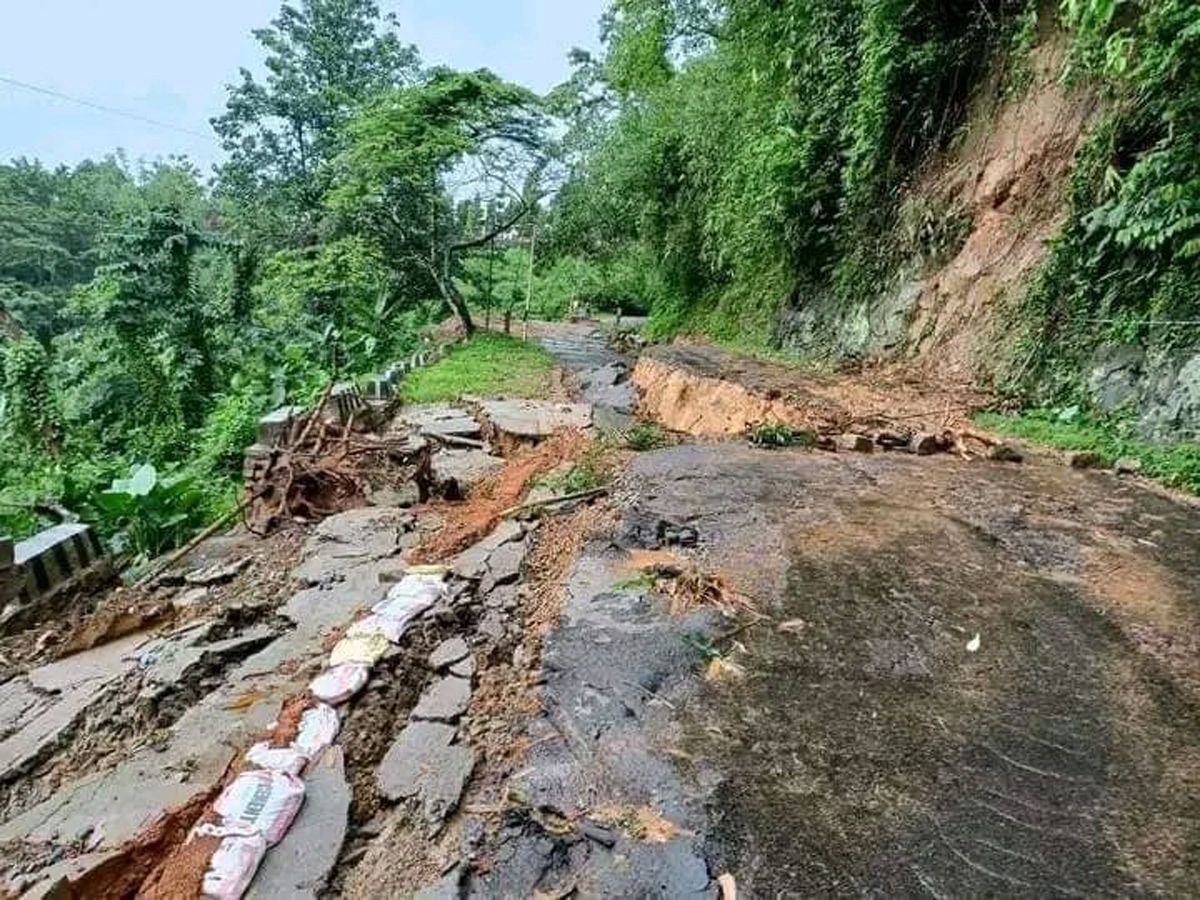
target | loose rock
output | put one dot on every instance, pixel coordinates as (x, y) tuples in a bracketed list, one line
[(464, 668), (1083, 460), (1128, 465), (855, 443), (504, 565), (1005, 453), (445, 701), (448, 652), (925, 444), (402, 770)]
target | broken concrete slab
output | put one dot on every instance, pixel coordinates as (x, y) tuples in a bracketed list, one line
[(504, 565), (492, 625), (445, 700), (39, 710), (448, 652), (464, 668), (300, 865), (456, 472), (171, 662), (472, 562), (606, 376), (502, 597), (444, 783), (352, 539), (439, 420), (420, 745), (534, 420)]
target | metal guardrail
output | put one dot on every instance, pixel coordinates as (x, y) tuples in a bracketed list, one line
[(44, 563)]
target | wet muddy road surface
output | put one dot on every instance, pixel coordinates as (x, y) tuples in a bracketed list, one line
[(976, 679)]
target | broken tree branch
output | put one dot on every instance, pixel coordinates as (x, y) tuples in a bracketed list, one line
[(554, 501)]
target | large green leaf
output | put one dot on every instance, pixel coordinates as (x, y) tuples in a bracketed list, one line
[(140, 483)]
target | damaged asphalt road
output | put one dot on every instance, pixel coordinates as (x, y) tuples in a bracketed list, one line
[(940, 678), (973, 679)]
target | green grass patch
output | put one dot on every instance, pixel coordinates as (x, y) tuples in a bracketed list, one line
[(1176, 465), (774, 435), (647, 436), (490, 365)]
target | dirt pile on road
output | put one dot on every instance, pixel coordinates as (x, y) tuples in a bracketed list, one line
[(466, 523), (708, 391)]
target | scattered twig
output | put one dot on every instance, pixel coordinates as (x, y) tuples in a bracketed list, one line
[(554, 501), (192, 544), (456, 441), (649, 693), (315, 415)]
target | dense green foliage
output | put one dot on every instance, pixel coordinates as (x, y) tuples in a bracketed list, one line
[(148, 317), (1126, 265), (728, 155)]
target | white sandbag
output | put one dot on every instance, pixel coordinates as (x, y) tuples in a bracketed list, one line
[(411, 597), (391, 629), (319, 728), (263, 800), (439, 570), (336, 686), (234, 863), (277, 759), (365, 650)]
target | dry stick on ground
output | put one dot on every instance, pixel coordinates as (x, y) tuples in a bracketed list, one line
[(456, 441), (553, 501), (193, 543)]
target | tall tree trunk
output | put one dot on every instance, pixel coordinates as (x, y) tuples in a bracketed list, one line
[(454, 300), (10, 329)]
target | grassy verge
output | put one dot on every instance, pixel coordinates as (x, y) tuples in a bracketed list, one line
[(1176, 465), (489, 363)]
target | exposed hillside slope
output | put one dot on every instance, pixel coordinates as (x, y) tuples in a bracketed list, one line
[(978, 223)]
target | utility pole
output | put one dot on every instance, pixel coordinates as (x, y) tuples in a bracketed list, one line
[(529, 292), (491, 280)]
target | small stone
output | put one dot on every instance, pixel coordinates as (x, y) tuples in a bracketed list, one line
[(1128, 465), (190, 598), (492, 626), (925, 444), (855, 443), (502, 597), (504, 564), (1006, 453), (1083, 460), (448, 652), (445, 701)]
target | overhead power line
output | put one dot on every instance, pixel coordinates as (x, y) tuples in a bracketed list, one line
[(105, 109)]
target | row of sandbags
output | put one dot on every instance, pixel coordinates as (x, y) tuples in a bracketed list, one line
[(258, 807)]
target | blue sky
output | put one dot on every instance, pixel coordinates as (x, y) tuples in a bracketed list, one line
[(169, 61)]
